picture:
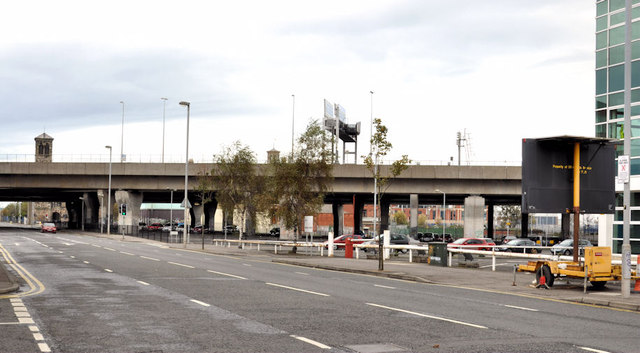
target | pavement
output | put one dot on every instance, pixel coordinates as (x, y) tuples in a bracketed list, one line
[(510, 283)]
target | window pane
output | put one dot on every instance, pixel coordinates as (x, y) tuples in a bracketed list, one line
[(614, 130), (601, 40), (635, 109), (635, 49), (601, 130), (616, 5), (601, 116), (635, 146), (615, 114), (635, 128), (616, 99), (616, 55), (601, 102), (617, 18), (635, 12), (616, 35), (635, 30), (635, 73), (601, 81), (616, 78), (602, 8), (635, 97), (601, 23), (601, 58)]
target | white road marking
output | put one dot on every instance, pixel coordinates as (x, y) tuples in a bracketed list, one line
[(298, 289), (315, 343), (520, 307), (126, 253), (487, 266), (143, 283), (19, 308), (25, 320), (15, 300), (34, 328), (38, 337), (86, 262), (248, 265), (593, 350), (149, 258), (302, 273), (178, 264), (44, 348), (22, 314), (108, 270), (427, 316), (381, 286), (199, 302), (97, 246), (109, 249), (73, 257), (225, 274)]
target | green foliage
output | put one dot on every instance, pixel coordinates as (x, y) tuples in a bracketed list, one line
[(422, 221), (235, 180), (11, 210), (400, 218), (300, 181), (509, 216)]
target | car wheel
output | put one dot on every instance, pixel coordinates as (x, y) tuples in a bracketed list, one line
[(598, 284), (534, 251), (567, 252), (546, 272)]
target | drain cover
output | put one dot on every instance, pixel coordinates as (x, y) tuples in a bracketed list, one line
[(376, 348)]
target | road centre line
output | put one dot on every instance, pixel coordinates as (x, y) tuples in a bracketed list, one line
[(199, 302), (297, 289), (520, 307), (302, 273), (97, 246), (149, 258), (127, 253), (225, 274), (108, 270), (44, 348), (143, 283), (381, 286), (179, 264), (315, 343), (86, 262), (109, 249), (593, 350), (427, 316)]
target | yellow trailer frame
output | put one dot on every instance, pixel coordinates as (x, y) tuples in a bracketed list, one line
[(597, 268)]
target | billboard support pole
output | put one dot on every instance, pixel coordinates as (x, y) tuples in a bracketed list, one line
[(576, 199), (626, 196)]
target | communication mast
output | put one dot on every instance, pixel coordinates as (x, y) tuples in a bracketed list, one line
[(463, 139)]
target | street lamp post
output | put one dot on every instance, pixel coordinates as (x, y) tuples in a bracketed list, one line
[(82, 214), (164, 108), (109, 195), (444, 212), (122, 135), (186, 177), (371, 131), (293, 120)]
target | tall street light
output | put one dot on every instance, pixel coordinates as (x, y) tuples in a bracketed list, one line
[(293, 120), (164, 108), (371, 130), (186, 177), (122, 135), (109, 195), (444, 212)]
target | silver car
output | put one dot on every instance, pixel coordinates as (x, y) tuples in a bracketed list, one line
[(566, 247)]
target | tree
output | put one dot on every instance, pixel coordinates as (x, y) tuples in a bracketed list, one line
[(400, 218), (300, 181), (509, 216), (380, 147), (235, 180), (422, 221)]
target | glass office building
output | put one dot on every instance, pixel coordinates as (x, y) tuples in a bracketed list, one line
[(609, 107)]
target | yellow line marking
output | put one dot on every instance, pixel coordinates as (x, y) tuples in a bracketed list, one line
[(35, 286)]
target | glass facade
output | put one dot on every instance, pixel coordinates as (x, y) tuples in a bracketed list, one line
[(609, 104)]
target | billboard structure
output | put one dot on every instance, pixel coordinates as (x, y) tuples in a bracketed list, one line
[(548, 175), (335, 121)]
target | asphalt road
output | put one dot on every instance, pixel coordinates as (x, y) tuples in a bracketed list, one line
[(91, 294)]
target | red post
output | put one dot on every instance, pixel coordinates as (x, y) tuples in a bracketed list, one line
[(348, 249)]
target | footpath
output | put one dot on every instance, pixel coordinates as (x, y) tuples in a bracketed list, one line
[(470, 278)]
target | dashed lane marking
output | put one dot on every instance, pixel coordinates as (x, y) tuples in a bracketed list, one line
[(108, 270), (520, 308), (381, 286), (200, 303), (179, 264), (297, 289), (225, 274), (592, 350), (428, 316), (149, 258), (312, 342), (143, 283)]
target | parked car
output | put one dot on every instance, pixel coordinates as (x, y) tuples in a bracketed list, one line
[(425, 237), (142, 226), (48, 228), (508, 238), (529, 245), (447, 237), (472, 244), (230, 228), (155, 226), (338, 243), (565, 247), (395, 239), (275, 231), (168, 227)]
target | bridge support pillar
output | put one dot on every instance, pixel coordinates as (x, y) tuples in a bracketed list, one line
[(413, 213), (133, 200), (474, 217), (338, 219), (384, 215), (358, 208), (490, 218), (209, 213), (198, 212), (91, 209)]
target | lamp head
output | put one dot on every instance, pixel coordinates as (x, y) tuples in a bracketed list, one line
[(185, 103)]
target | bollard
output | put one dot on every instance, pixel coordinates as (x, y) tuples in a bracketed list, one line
[(493, 259), (515, 269), (450, 259), (357, 253), (410, 255), (586, 275), (348, 248), (258, 246), (322, 251)]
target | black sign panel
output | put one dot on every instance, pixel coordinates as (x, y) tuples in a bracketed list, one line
[(547, 175)]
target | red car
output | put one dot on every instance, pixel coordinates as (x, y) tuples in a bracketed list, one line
[(155, 226), (48, 228), (472, 244), (338, 243)]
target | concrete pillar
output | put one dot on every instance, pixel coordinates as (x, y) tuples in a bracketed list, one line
[(565, 225), (357, 213), (490, 220), (209, 214), (384, 215), (474, 217), (133, 200), (198, 212), (338, 218), (413, 222), (91, 209), (605, 230), (524, 225)]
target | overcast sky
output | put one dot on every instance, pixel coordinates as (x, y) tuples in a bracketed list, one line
[(501, 69)]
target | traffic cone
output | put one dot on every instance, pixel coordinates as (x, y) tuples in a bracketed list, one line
[(542, 281)]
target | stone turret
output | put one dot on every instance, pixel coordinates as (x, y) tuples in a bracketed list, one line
[(44, 148)]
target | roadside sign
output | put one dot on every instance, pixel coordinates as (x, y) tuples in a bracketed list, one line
[(183, 203), (623, 169), (308, 224)]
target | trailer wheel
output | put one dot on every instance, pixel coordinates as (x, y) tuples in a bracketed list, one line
[(598, 284), (545, 271)]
